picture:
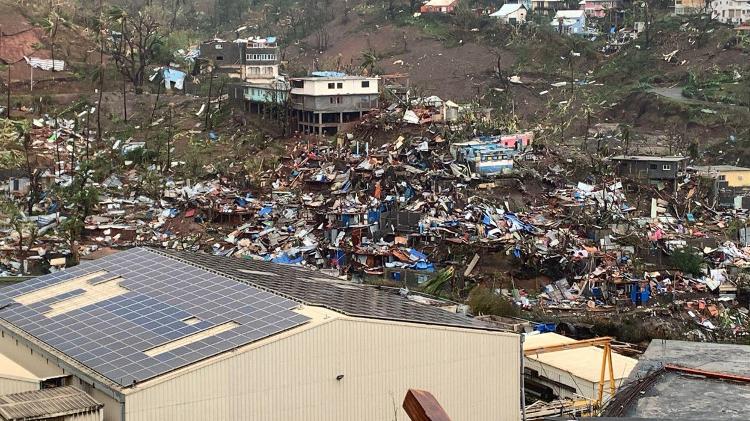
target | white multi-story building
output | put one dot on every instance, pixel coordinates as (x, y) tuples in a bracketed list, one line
[(326, 101), (734, 12)]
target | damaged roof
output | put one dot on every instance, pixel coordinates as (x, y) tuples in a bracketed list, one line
[(316, 289), (46, 403)]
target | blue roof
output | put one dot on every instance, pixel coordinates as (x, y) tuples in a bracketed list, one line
[(158, 302), (328, 74), (173, 75)]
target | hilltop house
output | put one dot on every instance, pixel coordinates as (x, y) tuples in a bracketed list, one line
[(261, 85), (439, 6), (570, 21), (513, 14), (652, 168), (327, 101), (592, 9), (689, 7), (227, 57)]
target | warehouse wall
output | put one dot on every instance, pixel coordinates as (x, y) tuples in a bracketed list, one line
[(42, 367), (474, 374), (9, 385)]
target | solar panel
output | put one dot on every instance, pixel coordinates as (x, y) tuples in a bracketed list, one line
[(160, 294)]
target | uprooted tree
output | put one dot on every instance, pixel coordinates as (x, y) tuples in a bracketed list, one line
[(16, 153), (133, 43)]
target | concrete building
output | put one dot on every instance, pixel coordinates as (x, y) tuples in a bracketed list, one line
[(731, 184), (327, 102), (513, 14), (65, 403), (228, 57), (176, 336), (655, 168), (689, 7), (732, 12), (572, 373)]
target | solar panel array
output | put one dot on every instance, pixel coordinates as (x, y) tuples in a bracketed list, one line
[(111, 336), (315, 288)]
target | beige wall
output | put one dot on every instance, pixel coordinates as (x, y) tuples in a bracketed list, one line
[(10, 385), (736, 178), (43, 367), (23, 356), (474, 374), (585, 389)]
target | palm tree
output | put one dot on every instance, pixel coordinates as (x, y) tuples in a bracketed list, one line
[(369, 59)]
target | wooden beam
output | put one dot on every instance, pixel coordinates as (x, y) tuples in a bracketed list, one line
[(573, 345), (420, 405), (706, 373)]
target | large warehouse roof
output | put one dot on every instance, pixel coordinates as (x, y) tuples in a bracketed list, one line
[(313, 288), (141, 313), (138, 314)]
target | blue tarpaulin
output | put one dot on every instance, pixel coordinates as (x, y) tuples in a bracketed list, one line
[(265, 211), (287, 260), (328, 74), (373, 216), (545, 327), (172, 76), (518, 225)]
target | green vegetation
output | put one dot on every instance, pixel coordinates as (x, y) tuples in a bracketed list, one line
[(483, 300), (719, 85), (687, 260)]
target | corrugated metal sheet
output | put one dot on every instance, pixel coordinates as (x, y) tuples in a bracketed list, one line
[(55, 402), (45, 64), (474, 374)]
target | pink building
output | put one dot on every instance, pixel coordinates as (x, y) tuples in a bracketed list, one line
[(597, 8)]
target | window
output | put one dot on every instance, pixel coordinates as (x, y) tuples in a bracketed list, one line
[(260, 57), (652, 166), (218, 46), (339, 85), (365, 83), (331, 86), (298, 84), (666, 167), (219, 58), (739, 178), (722, 178)]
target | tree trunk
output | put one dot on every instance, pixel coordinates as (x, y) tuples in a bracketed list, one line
[(208, 101), (125, 99)]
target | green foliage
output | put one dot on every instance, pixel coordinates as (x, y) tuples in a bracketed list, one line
[(437, 284), (719, 85), (483, 300), (687, 260), (11, 142)]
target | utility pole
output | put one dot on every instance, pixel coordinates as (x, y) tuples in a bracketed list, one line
[(101, 75), (169, 141), (7, 111), (208, 101)]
